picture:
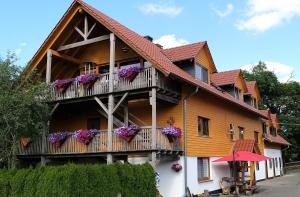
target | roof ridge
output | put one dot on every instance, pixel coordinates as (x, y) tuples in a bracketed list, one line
[(228, 71), (194, 43)]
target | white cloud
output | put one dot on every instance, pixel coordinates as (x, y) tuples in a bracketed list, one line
[(229, 9), (262, 15), (160, 8), (282, 71), (169, 41), (19, 50)]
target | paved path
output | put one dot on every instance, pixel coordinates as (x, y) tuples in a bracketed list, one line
[(286, 186)]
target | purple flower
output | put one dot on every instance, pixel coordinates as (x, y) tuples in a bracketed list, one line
[(87, 79), (172, 131), (127, 132), (85, 136), (58, 138), (129, 72), (61, 83)]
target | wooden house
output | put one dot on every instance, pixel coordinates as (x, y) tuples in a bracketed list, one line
[(170, 88)]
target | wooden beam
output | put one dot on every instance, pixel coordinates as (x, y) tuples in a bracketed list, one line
[(54, 108), (120, 102), (48, 69), (126, 118), (66, 57), (86, 27), (79, 31), (90, 31), (117, 122), (101, 104), (82, 43), (153, 126)]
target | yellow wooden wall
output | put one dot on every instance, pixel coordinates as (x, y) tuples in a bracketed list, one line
[(221, 115)]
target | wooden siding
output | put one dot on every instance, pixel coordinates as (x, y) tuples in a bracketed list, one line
[(220, 115)]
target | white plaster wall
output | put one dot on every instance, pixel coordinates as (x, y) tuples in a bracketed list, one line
[(217, 171), (273, 153)]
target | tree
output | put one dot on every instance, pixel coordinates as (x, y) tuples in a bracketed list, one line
[(282, 99), (23, 108)]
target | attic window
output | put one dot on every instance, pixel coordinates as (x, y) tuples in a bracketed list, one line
[(201, 73)]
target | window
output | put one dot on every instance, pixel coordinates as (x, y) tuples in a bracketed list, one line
[(280, 162), (231, 132), (203, 168), (273, 131), (256, 137), (241, 133), (276, 162), (201, 73), (237, 93), (257, 165), (254, 103), (264, 128), (270, 164), (93, 123), (203, 126)]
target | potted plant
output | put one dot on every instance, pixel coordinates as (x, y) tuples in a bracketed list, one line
[(87, 80), (129, 72), (176, 167), (62, 85), (85, 136), (25, 141), (127, 133), (58, 138), (172, 133)]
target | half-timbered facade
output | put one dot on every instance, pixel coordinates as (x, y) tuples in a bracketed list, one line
[(83, 60)]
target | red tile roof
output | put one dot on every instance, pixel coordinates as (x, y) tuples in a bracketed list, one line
[(226, 77), (266, 113), (251, 86), (150, 52), (184, 52), (276, 139), (246, 145), (154, 54)]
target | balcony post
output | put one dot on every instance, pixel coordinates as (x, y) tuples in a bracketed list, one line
[(111, 96), (49, 64), (126, 114), (153, 126)]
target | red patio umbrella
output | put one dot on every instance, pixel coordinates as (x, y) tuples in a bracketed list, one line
[(243, 156)]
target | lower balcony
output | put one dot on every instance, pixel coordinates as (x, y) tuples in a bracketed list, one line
[(142, 142)]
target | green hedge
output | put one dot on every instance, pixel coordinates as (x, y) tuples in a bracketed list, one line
[(79, 180)]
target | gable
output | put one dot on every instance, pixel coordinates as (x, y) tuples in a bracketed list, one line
[(240, 83)]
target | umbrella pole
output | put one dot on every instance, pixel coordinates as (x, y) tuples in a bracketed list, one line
[(235, 174)]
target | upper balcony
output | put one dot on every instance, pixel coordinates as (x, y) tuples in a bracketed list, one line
[(142, 81)]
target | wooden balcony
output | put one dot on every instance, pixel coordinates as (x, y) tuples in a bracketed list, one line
[(141, 143), (142, 81)]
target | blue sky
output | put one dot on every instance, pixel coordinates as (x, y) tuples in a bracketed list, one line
[(239, 33)]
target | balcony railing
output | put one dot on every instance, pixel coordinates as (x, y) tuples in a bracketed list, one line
[(141, 142), (101, 86)]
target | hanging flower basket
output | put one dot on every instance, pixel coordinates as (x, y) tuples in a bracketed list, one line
[(127, 133), (176, 167), (172, 133), (129, 72), (85, 136), (62, 85), (87, 80), (25, 141), (58, 138)]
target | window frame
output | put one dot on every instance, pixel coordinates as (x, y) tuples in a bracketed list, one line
[(241, 134), (201, 177), (231, 134), (257, 165), (200, 74), (201, 126), (271, 163), (256, 137)]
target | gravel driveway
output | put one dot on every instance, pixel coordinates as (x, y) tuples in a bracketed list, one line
[(286, 186)]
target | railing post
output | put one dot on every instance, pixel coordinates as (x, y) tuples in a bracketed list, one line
[(153, 126), (111, 96)]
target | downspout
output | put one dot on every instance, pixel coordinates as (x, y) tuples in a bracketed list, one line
[(185, 99)]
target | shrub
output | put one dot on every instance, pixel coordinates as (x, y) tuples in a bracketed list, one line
[(79, 180)]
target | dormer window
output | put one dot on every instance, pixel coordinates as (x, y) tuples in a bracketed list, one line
[(273, 131), (201, 73), (237, 93)]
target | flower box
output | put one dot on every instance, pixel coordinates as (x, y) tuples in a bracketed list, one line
[(176, 167), (58, 138), (172, 133), (87, 80), (85, 136), (127, 133), (25, 141), (62, 85), (129, 72)]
